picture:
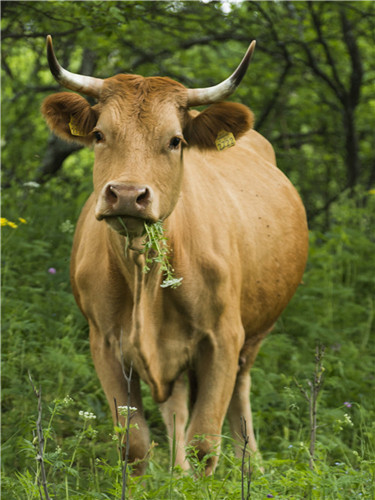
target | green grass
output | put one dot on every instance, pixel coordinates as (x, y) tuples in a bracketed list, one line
[(44, 333)]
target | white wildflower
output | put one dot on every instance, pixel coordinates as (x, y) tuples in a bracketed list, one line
[(67, 400), (123, 410), (86, 415), (348, 420)]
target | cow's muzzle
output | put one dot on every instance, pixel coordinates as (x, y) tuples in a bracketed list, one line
[(125, 200), (126, 207)]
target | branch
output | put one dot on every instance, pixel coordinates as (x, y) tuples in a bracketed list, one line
[(6, 67), (248, 482), (267, 110), (340, 89), (39, 430), (57, 151), (319, 72), (33, 89), (128, 379), (328, 203), (315, 388), (288, 65), (355, 58), (37, 34), (334, 83), (146, 56), (312, 399)]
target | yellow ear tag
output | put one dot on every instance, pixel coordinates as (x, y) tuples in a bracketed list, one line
[(224, 140), (73, 128)]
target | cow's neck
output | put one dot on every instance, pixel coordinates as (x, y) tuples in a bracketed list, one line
[(142, 340), (131, 259)]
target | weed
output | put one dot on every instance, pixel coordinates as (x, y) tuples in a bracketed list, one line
[(157, 242), (312, 399), (245, 473)]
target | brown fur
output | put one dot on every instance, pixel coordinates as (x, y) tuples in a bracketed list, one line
[(142, 89), (203, 129), (200, 130), (60, 109), (237, 235)]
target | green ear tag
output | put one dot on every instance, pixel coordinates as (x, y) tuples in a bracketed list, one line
[(224, 140), (73, 128)]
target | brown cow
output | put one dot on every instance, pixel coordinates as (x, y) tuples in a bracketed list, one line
[(237, 235)]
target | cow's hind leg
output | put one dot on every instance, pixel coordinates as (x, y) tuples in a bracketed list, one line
[(175, 415), (239, 411), (109, 370)]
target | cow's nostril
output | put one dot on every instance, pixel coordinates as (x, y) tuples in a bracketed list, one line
[(111, 194), (143, 198)]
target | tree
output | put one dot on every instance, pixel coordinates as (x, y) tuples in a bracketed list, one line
[(323, 45), (309, 83)]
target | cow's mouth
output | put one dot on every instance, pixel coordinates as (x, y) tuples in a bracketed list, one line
[(131, 227)]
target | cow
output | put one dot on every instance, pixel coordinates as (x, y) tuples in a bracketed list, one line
[(237, 239)]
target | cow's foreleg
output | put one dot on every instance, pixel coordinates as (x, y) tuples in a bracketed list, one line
[(109, 370), (215, 372), (175, 415)]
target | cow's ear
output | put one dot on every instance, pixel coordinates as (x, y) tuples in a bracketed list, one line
[(70, 117), (202, 130)]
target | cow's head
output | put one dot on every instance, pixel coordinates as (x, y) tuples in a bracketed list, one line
[(139, 128)]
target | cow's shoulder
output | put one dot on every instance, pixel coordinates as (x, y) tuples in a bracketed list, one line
[(94, 268)]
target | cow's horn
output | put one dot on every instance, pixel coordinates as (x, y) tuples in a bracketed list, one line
[(87, 85), (209, 95)]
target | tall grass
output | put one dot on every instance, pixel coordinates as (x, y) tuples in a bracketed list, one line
[(44, 333)]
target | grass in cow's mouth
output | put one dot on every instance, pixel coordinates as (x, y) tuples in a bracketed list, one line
[(157, 242), (155, 250)]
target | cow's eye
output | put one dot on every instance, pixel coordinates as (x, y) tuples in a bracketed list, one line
[(175, 142), (98, 136)]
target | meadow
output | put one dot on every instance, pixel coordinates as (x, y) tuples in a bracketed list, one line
[(45, 336)]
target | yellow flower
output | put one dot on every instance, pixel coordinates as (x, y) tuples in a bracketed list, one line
[(6, 222), (371, 191), (22, 220)]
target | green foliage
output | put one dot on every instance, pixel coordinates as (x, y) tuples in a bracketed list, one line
[(43, 332), (309, 84), (299, 109)]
